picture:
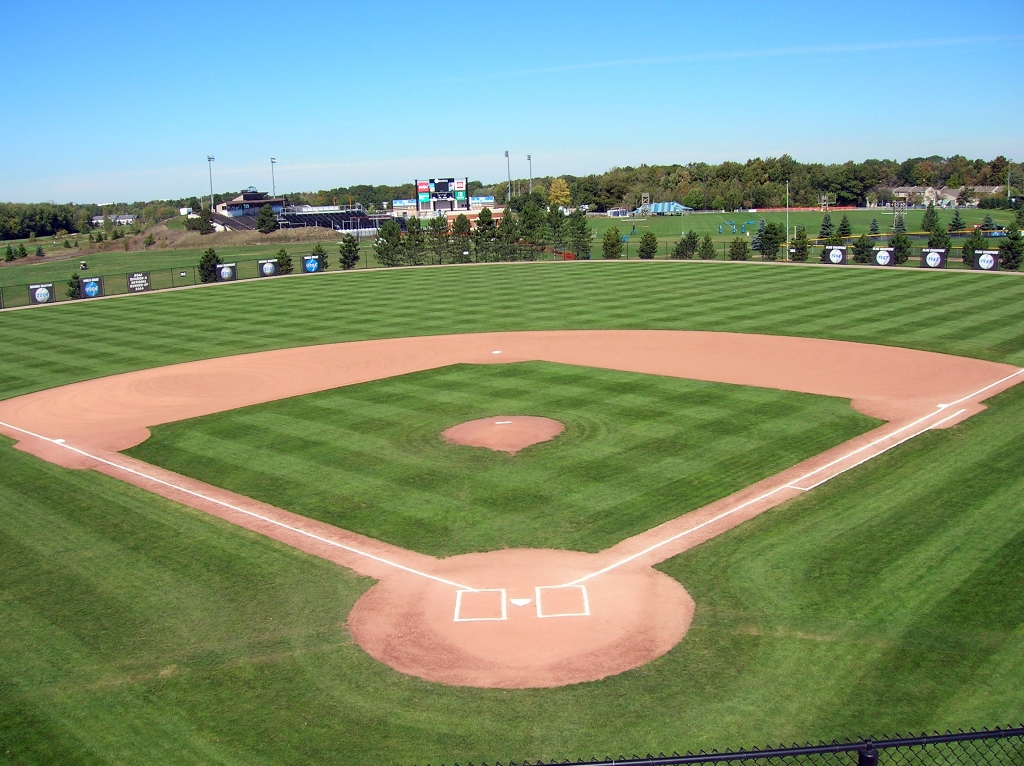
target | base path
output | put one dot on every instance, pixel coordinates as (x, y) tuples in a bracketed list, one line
[(513, 618)]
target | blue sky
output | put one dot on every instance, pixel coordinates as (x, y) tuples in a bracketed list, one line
[(116, 102)]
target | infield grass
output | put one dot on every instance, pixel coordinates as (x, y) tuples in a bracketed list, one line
[(638, 450), (135, 630)]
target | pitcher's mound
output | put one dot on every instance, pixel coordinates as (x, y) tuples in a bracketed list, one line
[(505, 433)]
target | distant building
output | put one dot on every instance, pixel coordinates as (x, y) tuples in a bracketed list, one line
[(249, 202), (117, 220), (666, 208), (945, 196), (184, 211)]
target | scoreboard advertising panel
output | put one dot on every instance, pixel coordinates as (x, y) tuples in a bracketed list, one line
[(433, 189)]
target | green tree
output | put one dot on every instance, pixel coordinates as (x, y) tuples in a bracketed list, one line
[(266, 221), (706, 250), (648, 246), (147, 242), (74, 291), (988, 224), (484, 235), (801, 246), (9, 254), (611, 245), (686, 247), (203, 224), (1019, 220), (772, 236), (577, 234), (506, 241), (930, 220), (556, 226), (39, 251), (531, 224), (939, 237), (900, 245), (348, 252), (958, 223), (284, 262), (874, 226), (67, 244), (755, 243), (461, 230), (973, 243), (694, 199), (415, 243), (827, 229), (388, 245), (1011, 249), (439, 236), (898, 226), (845, 229), (862, 249), (320, 254), (22, 252), (208, 265), (738, 250)]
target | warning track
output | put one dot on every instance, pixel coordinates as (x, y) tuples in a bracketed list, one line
[(517, 618)]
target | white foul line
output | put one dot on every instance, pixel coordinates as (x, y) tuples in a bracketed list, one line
[(350, 549), (790, 485)]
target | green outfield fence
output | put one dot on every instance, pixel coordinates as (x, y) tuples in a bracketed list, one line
[(994, 747), (164, 279)]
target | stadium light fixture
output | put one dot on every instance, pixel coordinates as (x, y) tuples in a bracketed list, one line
[(209, 162), (273, 182), (529, 159), (508, 166)]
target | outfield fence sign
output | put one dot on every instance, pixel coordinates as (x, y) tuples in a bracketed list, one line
[(92, 287), (986, 260), (310, 264), (835, 254), (268, 268), (933, 258), (42, 293), (227, 272), (139, 282), (883, 256)]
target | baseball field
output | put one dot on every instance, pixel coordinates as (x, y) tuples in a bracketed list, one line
[(135, 628)]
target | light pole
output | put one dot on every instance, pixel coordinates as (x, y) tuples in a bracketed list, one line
[(209, 161), (529, 159), (508, 166), (786, 256), (273, 182)]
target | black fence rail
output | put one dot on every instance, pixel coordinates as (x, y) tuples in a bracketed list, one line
[(987, 747)]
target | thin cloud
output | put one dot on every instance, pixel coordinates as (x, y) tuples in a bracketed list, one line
[(805, 50)]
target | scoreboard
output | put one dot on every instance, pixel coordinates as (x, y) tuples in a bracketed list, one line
[(451, 193)]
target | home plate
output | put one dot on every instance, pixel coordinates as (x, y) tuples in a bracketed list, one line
[(520, 601)]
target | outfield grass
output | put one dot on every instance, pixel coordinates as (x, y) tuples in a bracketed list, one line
[(638, 450), (136, 630)]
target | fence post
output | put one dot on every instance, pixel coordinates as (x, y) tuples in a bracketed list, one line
[(868, 756)]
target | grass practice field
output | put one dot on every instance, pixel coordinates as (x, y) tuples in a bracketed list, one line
[(638, 450), (891, 599)]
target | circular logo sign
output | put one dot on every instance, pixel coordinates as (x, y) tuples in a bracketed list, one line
[(836, 256), (933, 260), (312, 264), (986, 261), (225, 273), (883, 258), (42, 295), (268, 269), (92, 289)]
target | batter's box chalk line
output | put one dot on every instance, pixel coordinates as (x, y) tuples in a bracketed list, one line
[(571, 593), (472, 598)]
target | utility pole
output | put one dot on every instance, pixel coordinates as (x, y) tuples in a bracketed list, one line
[(785, 256), (209, 161), (529, 159), (508, 166), (273, 182)]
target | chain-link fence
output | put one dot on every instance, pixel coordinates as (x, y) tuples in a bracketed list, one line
[(995, 747)]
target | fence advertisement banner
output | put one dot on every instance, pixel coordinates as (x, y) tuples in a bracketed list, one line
[(227, 272), (310, 264), (92, 287), (933, 258), (986, 260), (268, 268), (883, 256), (42, 293), (139, 282), (835, 254)]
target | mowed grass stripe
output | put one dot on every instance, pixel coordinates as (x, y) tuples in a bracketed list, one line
[(85, 340), (638, 450)]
